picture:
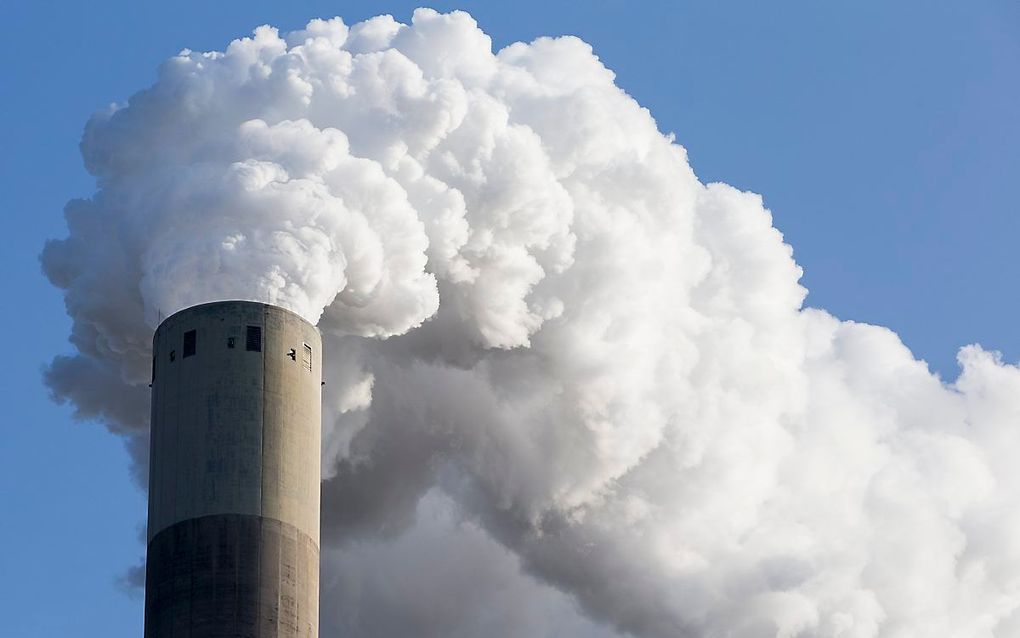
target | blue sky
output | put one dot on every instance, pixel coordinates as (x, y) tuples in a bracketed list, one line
[(883, 138)]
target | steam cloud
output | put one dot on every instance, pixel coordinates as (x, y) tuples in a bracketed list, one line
[(564, 375)]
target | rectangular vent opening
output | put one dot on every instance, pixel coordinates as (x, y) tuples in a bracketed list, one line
[(190, 340), (253, 339), (306, 359)]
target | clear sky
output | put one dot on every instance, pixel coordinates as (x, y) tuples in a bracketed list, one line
[(883, 136)]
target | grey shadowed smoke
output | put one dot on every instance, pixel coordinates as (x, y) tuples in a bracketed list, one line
[(572, 391)]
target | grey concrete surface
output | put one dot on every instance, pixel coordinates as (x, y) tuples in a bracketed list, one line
[(235, 447), (232, 575)]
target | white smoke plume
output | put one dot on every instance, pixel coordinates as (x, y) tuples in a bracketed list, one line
[(563, 373)]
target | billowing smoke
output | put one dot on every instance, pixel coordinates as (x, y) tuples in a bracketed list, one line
[(563, 374)]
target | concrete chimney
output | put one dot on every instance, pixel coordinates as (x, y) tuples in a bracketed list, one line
[(233, 534)]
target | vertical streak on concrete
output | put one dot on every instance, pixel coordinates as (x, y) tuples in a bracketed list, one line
[(234, 476)]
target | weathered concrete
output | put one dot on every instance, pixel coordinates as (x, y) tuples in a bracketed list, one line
[(234, 474), (231, 575)]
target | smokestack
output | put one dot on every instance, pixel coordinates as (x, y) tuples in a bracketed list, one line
[(233, 534)]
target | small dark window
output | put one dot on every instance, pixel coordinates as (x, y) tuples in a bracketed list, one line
[(173, 355), (230, 342), (190, 339), (253, 339), (307, 359)]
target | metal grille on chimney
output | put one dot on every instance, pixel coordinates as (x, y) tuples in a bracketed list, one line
[(253, 339), (190, 341)]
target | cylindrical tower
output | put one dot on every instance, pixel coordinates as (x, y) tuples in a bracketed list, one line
[(233, 535)]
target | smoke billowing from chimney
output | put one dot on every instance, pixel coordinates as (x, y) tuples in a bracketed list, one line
[(560, 369)]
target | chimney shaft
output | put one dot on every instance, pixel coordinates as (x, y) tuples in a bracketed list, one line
[(233, 534)]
